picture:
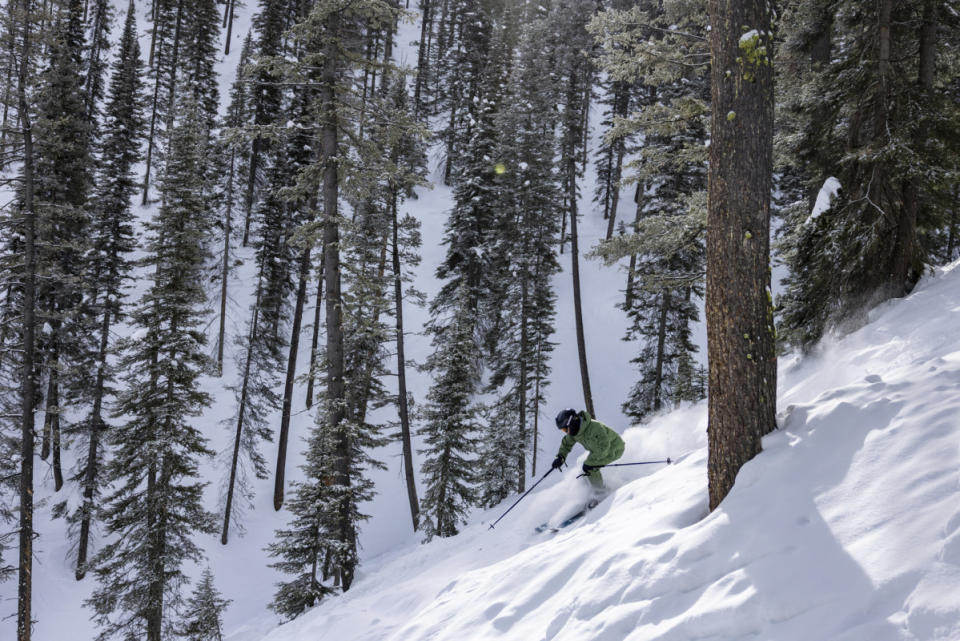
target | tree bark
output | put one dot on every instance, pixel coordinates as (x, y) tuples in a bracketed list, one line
[(615, 187), (225, 266), (229, 25), (423, 53), (336, 391), (315, 342), (575, 269), (522, 386), (661, 351), (740, 333), (288, 382), (901, 273), (632, 268), (402, 405), (96, 427), (27, 381), (241, 412)]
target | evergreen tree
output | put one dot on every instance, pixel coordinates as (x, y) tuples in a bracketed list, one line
[(408, 156), (461, 63), (167, 35), (63, 183), (646, 44), (329, 500), (450, 425), (112, 236), (845, 118), (200, 56), (155, 507), (264, 102), (458, 315), (27, 284), (95, 61), (525, 235), (569, 19), (236, 157), (203, 613)]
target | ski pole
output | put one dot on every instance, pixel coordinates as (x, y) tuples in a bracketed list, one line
[(666, 460), (522, 497)]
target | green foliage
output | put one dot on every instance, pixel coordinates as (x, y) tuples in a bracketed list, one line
[(154, 509), (664, 47), (203, 612)]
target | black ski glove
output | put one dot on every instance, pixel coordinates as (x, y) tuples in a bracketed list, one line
[(589, 468), (557, 463)]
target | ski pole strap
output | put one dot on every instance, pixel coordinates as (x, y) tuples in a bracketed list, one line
[(522, 497)]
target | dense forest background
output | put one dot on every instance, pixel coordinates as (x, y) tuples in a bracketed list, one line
[(138, 184)]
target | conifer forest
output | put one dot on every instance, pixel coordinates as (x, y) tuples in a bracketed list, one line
[(146, 188)]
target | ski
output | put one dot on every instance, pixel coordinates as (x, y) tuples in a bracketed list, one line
[(569, 520)]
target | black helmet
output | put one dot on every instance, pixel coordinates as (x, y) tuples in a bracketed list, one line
[(565, 418)]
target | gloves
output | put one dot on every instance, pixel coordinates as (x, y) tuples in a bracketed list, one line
[(589, 468), (557, 463)]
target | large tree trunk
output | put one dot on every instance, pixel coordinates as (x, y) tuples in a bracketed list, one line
[(402, 405), (336, 390), (27, 381), (575, 268), (96, 427), (241, 413), (740, 333), (423, 53), (225, 265), (288, 382), (156, 554), (522, 386), (228, 20), (632, 268), (661, 351), (315, 339), (901, 273)]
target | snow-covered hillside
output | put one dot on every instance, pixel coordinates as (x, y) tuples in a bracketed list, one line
[(847, 526)]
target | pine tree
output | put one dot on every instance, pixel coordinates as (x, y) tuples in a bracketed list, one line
[(265, 100), (200, 56), (155, 507), (63, 183), (95, 60), (450, 425), (112, 236), (408, 157), (570, 19), (167, 35), (843, 117), (338, 450), (236, 157), (26, 207), (203, 613), (457, 323), (645, 44), (526, 235)]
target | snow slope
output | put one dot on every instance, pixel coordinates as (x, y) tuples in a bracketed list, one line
[(847, 526)]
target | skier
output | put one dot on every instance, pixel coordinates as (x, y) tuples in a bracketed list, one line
[(604, 444)]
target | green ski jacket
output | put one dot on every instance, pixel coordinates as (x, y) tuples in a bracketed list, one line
[(604, 444)]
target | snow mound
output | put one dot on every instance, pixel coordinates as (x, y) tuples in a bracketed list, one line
[(847, 526)]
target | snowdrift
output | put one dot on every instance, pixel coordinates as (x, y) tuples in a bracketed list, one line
[(847, 526)]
